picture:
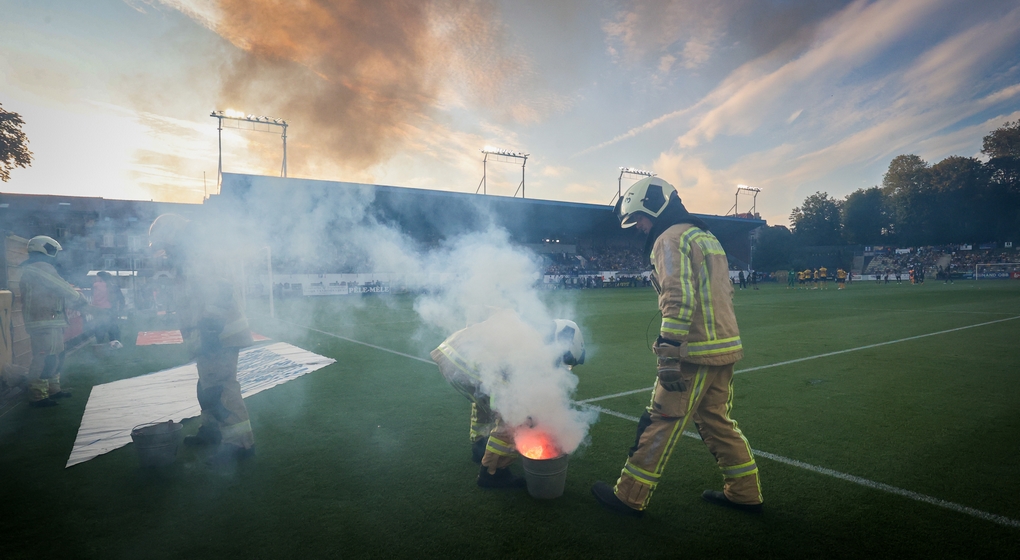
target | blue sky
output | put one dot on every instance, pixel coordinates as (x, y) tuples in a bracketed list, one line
[(792, 96)]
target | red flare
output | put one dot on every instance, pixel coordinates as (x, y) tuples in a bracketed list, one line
[(535, 444)]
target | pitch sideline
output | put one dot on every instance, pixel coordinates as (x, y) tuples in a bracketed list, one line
[(826, 355), (998, 519)]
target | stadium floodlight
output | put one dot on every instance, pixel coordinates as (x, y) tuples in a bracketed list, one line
[(239, 117), (501, 153), (628, 171), (754, 203)]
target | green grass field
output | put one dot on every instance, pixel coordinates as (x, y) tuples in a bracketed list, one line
[(918, 402)]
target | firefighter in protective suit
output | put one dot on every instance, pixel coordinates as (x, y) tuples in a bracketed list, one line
[(461, 358), (44, 295), (698, 344), (214, 328)]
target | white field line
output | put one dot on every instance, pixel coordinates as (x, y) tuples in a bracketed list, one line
[(881, 310), (826, 355), (358, 342), (1001, 520), (12, 407), (998, 519)]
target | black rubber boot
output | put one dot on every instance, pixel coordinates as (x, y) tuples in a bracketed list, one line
[(718, 498), (606, 497), (44, 403), (503, 478), (478, 450)]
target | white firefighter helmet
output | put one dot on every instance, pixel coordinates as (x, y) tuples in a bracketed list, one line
[(567, 335), (45, 245), (648, 196), (165, 231)]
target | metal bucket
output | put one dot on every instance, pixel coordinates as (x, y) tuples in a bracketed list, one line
[(546, 478), (157, 443)]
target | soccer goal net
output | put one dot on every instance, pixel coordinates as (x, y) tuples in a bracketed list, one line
[(991, 271)]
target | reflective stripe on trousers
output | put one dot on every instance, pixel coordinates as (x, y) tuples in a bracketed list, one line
[(707, 400)]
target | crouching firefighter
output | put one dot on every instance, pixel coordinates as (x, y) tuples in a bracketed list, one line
[(461, 359), (698, 344), (214, 328), (44, 295)]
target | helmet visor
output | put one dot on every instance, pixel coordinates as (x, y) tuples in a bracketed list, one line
[(626, 220)]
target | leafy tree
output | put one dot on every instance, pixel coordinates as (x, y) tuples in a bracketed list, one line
[(1002, 146), (866, 217), (773, 248), (1003, 141), (907, 186), (13, 144), (965, 207), (816, 222)]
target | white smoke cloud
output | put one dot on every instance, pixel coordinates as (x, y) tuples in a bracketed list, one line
[(458, 281)]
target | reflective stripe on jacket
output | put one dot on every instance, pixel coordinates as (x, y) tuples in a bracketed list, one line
[(696, 295), (43, 295)]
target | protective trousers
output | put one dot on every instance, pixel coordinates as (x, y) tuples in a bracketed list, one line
[(219, 395), (500, 451), (707, 399), (47, 361)]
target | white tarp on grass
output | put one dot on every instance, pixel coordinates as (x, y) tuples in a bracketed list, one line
[(115, 408)]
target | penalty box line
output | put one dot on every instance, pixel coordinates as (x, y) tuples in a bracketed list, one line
[(998, 519), (826, 355)]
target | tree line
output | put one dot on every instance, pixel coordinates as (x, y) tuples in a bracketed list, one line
[(957, 200)]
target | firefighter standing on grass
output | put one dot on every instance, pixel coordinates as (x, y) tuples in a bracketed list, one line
[(214, 327), (697, 346), (43, 297), (461, 358)]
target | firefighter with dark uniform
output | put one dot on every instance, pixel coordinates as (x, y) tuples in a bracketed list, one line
[(44, 295), (461, 358), (214, 327), (698, 344)]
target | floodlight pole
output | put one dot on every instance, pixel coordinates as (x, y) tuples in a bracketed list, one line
[(754, 200), (483, 186), (219, 134), (283, 171), (254, 120), (523, 163), (628, 171)]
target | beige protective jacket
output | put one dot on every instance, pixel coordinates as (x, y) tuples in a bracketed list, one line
[(696, 295), (43, 294), (209, 300)]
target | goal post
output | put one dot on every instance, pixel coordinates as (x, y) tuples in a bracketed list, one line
[(996, 271)]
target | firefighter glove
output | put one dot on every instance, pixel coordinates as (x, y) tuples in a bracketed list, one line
[(669, 374), (669, 353)]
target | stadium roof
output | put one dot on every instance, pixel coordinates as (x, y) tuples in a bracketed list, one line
[(433, 214)]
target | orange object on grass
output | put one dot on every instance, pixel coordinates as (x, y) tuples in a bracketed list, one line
[(536, 444)]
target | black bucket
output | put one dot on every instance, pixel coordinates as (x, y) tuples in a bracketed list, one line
[(546, 478), (157, 443)]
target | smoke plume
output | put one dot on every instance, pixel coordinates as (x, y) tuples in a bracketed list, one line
[(360, 80), (459, 280)]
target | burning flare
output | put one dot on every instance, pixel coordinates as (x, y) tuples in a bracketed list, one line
[(536, 444)]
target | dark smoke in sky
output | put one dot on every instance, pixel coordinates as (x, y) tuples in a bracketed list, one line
[(359, 80)]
